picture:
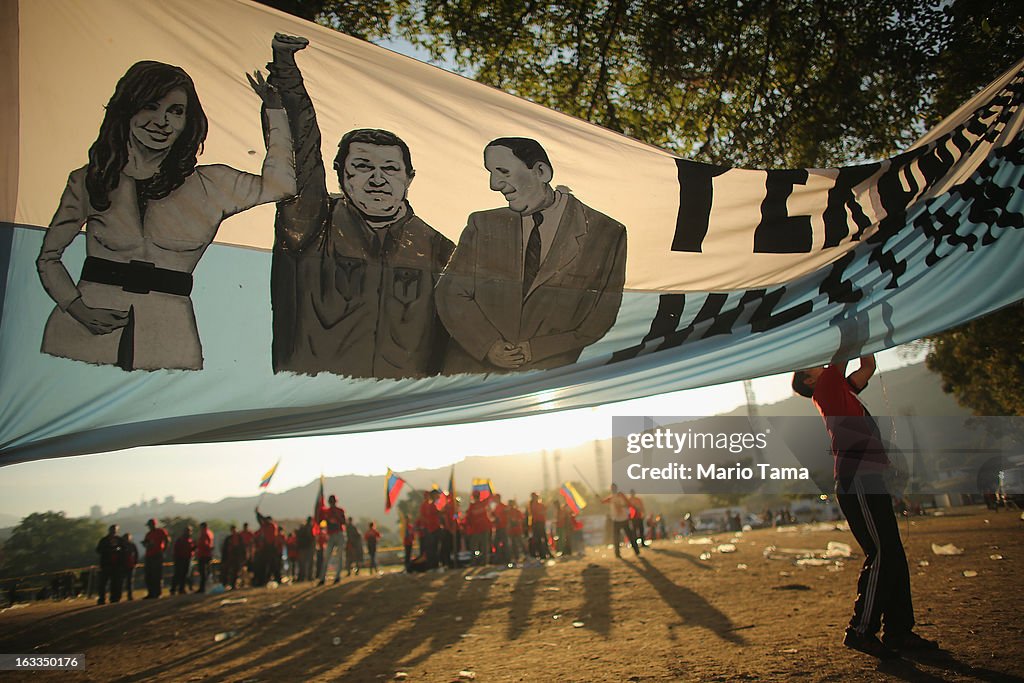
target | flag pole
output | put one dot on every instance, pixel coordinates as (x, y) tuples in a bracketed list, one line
[(592, 489)]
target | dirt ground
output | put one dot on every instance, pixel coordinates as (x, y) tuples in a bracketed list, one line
[(666, 616)]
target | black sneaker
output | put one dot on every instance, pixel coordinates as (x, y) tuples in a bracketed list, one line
[(869, 644), (908, 641)]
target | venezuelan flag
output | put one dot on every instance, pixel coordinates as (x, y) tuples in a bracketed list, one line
[(572, 498), (392, 486), (265, 482), (485, 487)]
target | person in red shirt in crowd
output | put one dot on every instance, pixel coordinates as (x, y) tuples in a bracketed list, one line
[(204, 553), (516, 528), (232, 554), (450, 534), (292, 544), (248, 548), (565, 524), (305, 547), (478, 527), (538, 525), (408, 538), (883, 588), (111, 550), (155, 542), (499, 512), (277, 561), (430, 520), (263, 560), (353, 548), (371, 536), (637, 513), (335, 518), (130, 558), (320, 537), (184, 547)]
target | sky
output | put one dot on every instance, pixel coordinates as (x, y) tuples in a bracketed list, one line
[(210, 472)]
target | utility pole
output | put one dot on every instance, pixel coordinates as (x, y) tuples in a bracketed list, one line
[(544, 468)]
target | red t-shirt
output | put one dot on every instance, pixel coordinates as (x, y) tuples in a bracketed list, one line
[(335, 518), (856, 444), (156, 541), (430, 517), (268, 530), (500, 515), (477, 521), (515, 522), (183, 548), (204, 546), (537, 511)]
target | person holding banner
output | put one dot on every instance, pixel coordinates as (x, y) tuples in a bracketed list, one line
[(149, 213), (531, 285), (883, 587), (353, 276)]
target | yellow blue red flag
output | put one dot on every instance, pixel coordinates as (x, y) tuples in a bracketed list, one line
[(572, 497), (265, 482)]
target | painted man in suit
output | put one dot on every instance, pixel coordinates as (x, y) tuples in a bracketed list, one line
[(531, 285)]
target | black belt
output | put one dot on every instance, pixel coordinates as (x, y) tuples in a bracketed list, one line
[(138, 277)]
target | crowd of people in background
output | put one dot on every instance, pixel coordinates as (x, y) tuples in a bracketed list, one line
[(488, 532), (440, 534)]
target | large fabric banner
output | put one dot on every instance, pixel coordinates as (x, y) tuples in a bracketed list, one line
[(222, 223)]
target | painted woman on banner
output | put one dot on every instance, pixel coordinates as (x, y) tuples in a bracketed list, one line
[(149, 213)]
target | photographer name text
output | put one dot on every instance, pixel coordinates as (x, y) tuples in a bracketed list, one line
[(698, 472)]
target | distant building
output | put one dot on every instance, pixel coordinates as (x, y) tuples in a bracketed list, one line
[(95, 512)]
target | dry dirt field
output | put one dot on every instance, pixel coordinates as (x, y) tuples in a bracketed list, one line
[(667, 616)]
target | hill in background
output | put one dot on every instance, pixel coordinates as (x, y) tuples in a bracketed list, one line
[(911, 390)]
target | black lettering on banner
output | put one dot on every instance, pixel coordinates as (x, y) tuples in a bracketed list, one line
[(841, 198), (941, 227), (835, 287), (716, 319), (696, 195), (778, 232), (984, 199), (765, 319), (666, 320), (709, 311), (937, 161)]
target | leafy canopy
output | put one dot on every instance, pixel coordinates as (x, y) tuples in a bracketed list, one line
[(50, 541)]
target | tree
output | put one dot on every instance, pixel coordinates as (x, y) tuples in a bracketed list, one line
[(982, 362), (984, 38), (49, 542), (759, 83), (794, 83), (365, 19)]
